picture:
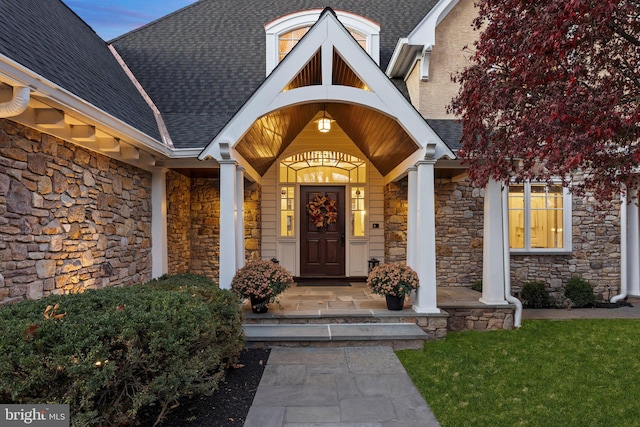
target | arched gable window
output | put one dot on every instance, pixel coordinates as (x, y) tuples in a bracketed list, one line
[(285, 32), (286, 41)]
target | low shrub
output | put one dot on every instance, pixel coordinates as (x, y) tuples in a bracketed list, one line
[(477, 285), (535, 295), (108, 353), (579, 292)]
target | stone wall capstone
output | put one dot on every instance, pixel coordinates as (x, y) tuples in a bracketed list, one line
[(70, 219)]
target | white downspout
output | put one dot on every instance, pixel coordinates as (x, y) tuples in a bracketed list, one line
[(18, 104), (517, 318), (623, 251)]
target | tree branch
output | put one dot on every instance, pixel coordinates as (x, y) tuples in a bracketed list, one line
[(622, 33)]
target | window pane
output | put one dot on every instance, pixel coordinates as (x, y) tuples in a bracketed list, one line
[(516, 216), (361, 39), (536, 223), (287, 211), (323, 174), (357, 212), (287, 41), (546, 229)]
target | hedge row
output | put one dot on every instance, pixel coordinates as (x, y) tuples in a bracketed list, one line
[(110, 352)]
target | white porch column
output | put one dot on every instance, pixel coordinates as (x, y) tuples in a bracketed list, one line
[(425, 237), (493, 260), (633, 245), (228, 223), (412, 216), (240, 216), (159, 252)]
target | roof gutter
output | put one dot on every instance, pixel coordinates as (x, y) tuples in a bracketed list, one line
[(419, 43), (18, 103), (22, 76)]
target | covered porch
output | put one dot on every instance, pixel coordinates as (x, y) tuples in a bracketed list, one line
[(327, 76)]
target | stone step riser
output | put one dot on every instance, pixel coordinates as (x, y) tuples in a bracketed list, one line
[(396, 335), (395, 344), (434, 326)]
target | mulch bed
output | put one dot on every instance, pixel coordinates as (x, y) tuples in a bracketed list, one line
[(228, 405)]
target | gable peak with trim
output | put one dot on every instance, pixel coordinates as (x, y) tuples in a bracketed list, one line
[(326, 69)]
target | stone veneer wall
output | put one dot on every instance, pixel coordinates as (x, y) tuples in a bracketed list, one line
[(178, 222), (252, 220), (595, 256), (459, 240), (70, 219), (204, 233), (481, 318), (193, 223), (459, 223), (395, 221), (459, 232)]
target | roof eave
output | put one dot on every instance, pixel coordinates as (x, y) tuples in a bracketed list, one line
[(420, 41), (14, 73)]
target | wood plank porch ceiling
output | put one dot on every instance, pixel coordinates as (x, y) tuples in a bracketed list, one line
[(378, 136)]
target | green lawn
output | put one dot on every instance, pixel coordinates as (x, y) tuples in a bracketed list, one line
[(547, 373)]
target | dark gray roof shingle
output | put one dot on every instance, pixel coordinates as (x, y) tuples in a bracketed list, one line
[(48, 38), (450, 131), (201, 63)]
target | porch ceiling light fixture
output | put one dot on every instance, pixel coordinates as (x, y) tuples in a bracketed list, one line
[(324, 123)]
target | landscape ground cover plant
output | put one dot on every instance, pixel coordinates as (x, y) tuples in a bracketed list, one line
[(109, 353), (546, 373), (580, 293), (535, 295)]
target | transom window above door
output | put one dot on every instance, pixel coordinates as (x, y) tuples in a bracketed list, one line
[(323, 166)]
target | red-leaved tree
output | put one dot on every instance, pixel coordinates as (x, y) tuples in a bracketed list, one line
[(554, 87)]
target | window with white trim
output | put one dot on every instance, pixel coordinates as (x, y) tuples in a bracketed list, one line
[(539, 218), (285, 32), (326, 167), (286, 41)]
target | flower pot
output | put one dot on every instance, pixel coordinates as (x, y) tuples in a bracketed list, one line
[(394, 302), (259, 305)]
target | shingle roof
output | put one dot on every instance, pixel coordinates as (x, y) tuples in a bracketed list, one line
[(201, 63), (450, 131), (51, 40)]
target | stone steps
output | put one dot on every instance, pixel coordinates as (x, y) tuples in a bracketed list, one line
[(397, 335), (334, 328)]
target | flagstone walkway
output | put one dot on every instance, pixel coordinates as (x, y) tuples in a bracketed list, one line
[(349, 386)]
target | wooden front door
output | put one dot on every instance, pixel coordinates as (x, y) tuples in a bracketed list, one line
[(322, 252)]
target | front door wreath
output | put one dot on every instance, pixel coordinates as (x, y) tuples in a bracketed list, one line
[(322, 210)]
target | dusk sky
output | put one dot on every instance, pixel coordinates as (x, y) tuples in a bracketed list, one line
[(115, 17)]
